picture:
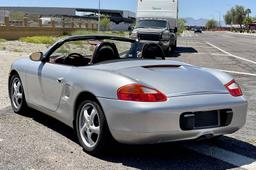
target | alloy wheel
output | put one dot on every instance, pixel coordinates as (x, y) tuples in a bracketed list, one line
[(16, 93), (89, 125)]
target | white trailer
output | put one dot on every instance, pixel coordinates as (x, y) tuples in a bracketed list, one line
[(161, 9), (157, 21)]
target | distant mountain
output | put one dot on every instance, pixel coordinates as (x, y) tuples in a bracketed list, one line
[(199, 22), (196, 22)]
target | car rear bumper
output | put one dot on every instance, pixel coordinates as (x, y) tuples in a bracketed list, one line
[(146, 123)]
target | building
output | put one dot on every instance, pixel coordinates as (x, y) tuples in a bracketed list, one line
[(3, 13), (253, 25), (120, 20)]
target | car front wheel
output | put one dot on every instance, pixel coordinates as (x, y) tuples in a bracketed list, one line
[(16, 94)]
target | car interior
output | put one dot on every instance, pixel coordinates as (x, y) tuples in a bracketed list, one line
[(108, 51)]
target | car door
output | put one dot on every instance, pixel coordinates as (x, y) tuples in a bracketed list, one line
[(46, 82)]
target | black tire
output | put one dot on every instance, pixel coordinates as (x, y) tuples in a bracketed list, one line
[(173, 47), (22, 108), (167, 52), (104, 137)]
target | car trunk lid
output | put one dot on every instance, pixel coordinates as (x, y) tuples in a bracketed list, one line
[(175, 79)]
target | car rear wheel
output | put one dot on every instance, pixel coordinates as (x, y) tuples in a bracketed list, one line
[(91, 127), (16, 94)]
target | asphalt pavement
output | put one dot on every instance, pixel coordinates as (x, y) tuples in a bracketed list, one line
[(36, 141)]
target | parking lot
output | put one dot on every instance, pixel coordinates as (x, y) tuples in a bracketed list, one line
[(36, 141)]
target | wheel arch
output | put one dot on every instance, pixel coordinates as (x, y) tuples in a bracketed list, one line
[(12, 72), (85, 95)]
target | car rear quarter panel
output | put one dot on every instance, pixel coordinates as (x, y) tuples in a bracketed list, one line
[(223, 77), (101, 84)]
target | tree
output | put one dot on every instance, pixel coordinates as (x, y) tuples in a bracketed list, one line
[(105, 21), (233, 15), (211, 24), (247, 22), (182, 24), (237, 15), (248, 12), (240, 15), (228, 18)]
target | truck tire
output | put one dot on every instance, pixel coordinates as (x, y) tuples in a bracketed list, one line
[(173, 47), (167, 52)]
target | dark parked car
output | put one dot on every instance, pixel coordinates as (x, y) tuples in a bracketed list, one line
[(198, 30)]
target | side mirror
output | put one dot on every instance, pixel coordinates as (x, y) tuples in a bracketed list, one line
[(38, 56)]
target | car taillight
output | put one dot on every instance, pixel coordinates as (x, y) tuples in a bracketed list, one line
[(234, 88), (140, 93)]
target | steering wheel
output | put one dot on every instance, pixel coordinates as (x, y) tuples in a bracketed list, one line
[(75, 59), (73, 55)]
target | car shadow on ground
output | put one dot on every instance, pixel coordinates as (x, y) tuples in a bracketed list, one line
[(181, 50), (159, 156)]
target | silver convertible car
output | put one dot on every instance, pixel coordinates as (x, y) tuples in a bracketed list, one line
[(109, 87)]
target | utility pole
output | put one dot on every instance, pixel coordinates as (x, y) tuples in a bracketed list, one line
[(99, 17), (219, 18)]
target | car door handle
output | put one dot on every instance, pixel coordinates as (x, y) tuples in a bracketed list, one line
[(60, 80)]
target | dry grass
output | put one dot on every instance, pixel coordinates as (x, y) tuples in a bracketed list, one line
[(39, 39), (2, 40)]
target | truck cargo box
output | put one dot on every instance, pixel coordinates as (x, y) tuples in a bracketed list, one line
[(164, 9)]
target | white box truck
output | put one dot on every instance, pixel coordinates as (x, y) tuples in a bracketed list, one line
[(157, 21)]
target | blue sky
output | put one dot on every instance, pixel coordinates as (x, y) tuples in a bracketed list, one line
[(188, 8)]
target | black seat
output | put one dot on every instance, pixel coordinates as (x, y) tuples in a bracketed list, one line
[(105, 51), (152, 51)]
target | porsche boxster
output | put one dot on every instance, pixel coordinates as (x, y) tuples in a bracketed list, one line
[(109, 87)]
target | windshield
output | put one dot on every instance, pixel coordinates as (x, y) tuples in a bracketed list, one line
[(151, 24)]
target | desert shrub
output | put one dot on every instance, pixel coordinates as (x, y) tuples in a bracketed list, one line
[(2, 40), (2, 47), (182, 25), (105, 22), (39, 39)]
